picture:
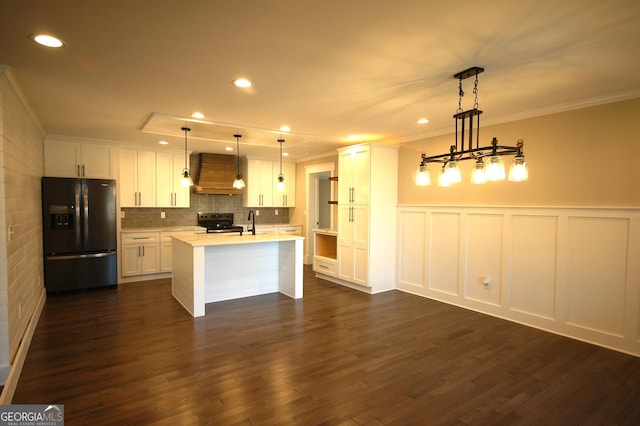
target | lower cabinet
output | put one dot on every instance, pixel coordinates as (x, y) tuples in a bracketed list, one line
[(166, 248), (325, 252), (140, 253)]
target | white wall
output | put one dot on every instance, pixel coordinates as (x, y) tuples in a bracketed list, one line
[(571, 271), (21, 266)]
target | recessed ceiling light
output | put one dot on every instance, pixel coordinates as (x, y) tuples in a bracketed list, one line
[(285, 154), (285, 128), (197, 115), (47, 40), (242, 82), (163, 142), (228, 148), (423, 121)]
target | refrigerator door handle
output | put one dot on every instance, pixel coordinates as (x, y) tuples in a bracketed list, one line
[(76, 207), (82, 256), (85, 210)]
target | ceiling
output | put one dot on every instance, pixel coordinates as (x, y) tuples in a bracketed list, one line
[(134, 71)]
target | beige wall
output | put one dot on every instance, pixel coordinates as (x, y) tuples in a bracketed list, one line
[(21, 167), (585, 157)]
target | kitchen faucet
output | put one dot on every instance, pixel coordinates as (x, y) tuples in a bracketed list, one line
[(252, 215)]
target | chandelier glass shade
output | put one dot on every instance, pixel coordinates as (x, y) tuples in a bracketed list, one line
[(465, 148), (238, 183), (186, 175)]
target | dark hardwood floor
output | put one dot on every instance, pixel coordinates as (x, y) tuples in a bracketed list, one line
[(134, 356)]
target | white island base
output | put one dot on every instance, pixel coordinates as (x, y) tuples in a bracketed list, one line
[(214, 267)]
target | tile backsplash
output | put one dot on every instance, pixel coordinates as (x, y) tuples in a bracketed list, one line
[(145, 217)]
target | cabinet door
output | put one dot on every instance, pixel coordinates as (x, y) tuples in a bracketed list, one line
[(360, 244), (345, 243), (97, 161), (353, 243), (150, 259), (166, 253), (169, 189), (259, 192), (61, 159), (182, 194), (287, 196), (164, 179), (130, 260), (360, 179), (146, 177), (353, 172), (128, 181)]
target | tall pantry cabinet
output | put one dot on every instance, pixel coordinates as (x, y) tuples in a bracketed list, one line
[(367, 199)]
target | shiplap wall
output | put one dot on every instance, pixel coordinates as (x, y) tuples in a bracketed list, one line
[(21, 167), (571, 271)]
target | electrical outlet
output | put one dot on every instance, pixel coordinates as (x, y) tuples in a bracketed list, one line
[(162, 215), (276, 212), (122, 215), (486, 282), (257, 212)]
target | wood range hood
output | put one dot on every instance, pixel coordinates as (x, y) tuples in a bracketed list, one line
[(216, 174)]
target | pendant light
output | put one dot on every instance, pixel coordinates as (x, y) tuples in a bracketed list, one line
[(186, 176), (468, 127), (280, 183), (238, 183)]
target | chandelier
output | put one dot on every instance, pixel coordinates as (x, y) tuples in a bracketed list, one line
[(468, 123)]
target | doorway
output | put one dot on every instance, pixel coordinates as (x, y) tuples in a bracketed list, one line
[(320, 214)]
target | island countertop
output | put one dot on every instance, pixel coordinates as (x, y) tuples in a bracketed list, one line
[(229, 238)]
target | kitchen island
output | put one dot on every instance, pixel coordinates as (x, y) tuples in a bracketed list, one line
[(214, 267)]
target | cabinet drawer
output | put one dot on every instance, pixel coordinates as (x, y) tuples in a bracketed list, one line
[(140, 237), (324, 265)]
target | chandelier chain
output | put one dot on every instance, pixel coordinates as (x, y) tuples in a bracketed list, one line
[(475, 93), (460, 96)]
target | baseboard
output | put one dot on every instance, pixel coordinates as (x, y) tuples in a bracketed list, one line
[(16, 368)]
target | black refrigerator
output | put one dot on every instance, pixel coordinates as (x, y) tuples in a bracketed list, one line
[(79, 233)]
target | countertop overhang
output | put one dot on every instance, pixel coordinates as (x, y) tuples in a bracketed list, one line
[(197, 240)]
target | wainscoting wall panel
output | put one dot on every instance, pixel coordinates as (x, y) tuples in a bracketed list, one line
[(444, 259), (570, 271), (533, 284)]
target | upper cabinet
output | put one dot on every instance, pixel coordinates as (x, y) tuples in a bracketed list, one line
[(261, 177), (353, 171), (76, 159), (284, 197), (169, 189), (258, 176), (137, 181)]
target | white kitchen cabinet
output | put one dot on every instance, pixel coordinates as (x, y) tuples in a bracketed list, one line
[(77, 159), (258, 176), (166, 248), (284, 197), (354, 175), (137, 181), (140, 253), (290, 229), (353, 243), (169, 190), (367, 200), (325, 252), (261, 177), (265, 229)]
